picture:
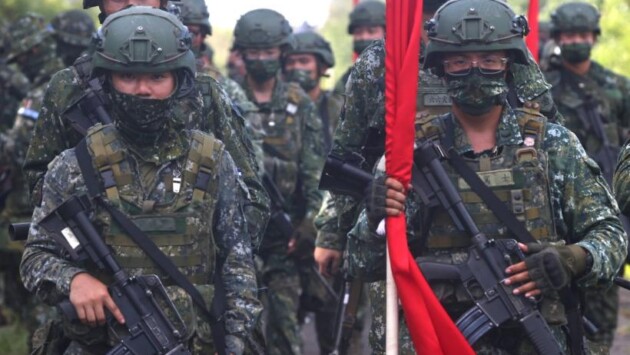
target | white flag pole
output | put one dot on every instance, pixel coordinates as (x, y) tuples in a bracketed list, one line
[(391, 310)]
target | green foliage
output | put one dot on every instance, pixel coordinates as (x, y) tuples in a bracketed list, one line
[(13, 9), (336, 32)]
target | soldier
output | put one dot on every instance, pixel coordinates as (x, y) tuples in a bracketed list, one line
[(293, 159), (367, 25), (306, 63), (236, 66), (13, 84), (148, 151), (34, 52), (73, 31), (66, 115), (579, 238), (595, 104)]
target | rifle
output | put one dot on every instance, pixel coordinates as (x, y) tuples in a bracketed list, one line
[(90, 110), (483, 272), (346, 315), (142, 299), (344, 178)]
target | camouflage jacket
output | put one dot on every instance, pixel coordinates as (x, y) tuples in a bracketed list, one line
[(13, 88), (207, 108), (329, 105), (293, 148), (600, 91), (340, 85), (583, 210), (47, 270)]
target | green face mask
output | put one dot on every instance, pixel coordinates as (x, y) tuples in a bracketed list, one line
[(477, 93), (141, 120), (302, 77), (262, 70), (358, 46), (576, 52)]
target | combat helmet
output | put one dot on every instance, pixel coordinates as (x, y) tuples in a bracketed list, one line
[(25, 33), (73, 27), (195, 12), (313, 43), (262, 28), (92, 3), (475, 25), (143, 39), (367, 13), (575, 17)]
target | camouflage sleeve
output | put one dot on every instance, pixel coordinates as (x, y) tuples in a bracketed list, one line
[(311, 156), (49, 138), (531, 85), (584, 209), (235, 254), (46, 269), (327, 225), (257, 202), (624, 116), (621, 179)]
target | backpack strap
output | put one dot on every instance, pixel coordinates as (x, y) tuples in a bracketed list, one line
[(202, 165)]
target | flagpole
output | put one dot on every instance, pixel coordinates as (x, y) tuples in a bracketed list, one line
[(391, 311)]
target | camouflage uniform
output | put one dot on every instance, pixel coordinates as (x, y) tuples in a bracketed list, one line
[(217, 223), (293, 159), (28, 33), (179, 186), (13, 88), (206, 108), (607, 94), (565, 187)]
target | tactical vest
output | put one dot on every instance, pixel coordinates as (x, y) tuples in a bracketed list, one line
[(518, 175), (283, 142), (181, 228)]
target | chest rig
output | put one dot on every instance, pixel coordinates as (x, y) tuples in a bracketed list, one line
[(179, 222), (283, 140), (516, 174)]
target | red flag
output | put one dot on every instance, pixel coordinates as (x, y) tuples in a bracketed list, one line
[(431, 329), (532, 37)]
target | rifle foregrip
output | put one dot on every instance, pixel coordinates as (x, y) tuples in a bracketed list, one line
[(540, 334)]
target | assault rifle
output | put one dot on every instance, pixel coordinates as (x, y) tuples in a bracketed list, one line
[(344, 178), (483, 272), (142, 300)]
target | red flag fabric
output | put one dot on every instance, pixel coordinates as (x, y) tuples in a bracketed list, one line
[(532, 37), (431, 329)]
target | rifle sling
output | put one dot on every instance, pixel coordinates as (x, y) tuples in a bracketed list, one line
[(157, 256), (517, 228)]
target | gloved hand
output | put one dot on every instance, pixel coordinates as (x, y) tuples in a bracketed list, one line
[(376, 201), (302, 243), (384, 197), (234, 345), (553, 267)]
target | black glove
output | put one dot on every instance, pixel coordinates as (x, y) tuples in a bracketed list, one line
[(375, 201), (553, 267)]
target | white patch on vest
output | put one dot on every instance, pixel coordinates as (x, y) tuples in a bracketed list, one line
[(529, 141), (70, 237), (292, 108)]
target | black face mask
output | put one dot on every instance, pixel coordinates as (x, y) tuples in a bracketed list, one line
[(262, 70), (139, 119), (576, 52), (476, 93), (302, 77)]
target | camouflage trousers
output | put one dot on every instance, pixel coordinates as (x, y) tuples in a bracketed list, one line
[(601, 306), (497, 342), (281, 277)]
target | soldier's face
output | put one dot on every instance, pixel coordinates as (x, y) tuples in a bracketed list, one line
[(368, 33), (270, 53), (111, 6), (303, 61), (576, 37), (197, 34), (158, 86)]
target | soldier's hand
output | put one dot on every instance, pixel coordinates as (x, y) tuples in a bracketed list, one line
[(90, 297), (385, 197), (328, 261), (520, 275)]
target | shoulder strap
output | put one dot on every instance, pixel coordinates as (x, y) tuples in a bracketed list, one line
[(162, 261), (325, 116), (203, 161)]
